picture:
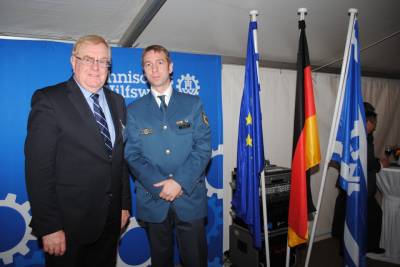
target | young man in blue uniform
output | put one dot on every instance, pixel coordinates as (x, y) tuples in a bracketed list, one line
[(168, 148)]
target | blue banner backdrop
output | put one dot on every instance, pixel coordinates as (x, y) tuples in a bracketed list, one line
[(28, 65)]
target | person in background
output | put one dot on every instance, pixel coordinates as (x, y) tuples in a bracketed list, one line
[(374, 164), (76, 176), (168, 148), (374, 216)]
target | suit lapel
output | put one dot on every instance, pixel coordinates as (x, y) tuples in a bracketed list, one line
[(79, 102)]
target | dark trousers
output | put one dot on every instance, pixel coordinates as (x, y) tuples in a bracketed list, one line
[(374, 224), (191, 237), (374, 221), (101, 253)]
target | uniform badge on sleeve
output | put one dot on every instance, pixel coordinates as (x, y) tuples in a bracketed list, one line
[(205, 119)]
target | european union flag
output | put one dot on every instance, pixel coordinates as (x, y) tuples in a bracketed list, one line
[(350, 151), (250, 149)]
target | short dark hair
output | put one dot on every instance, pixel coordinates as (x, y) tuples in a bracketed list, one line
[(158, 49), (370, 113)]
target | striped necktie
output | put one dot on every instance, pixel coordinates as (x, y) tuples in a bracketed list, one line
[(163, 105), (102, 123)]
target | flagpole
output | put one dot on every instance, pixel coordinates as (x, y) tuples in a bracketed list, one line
[(302, 12), (335, 124), (264, 207), (253, 18)]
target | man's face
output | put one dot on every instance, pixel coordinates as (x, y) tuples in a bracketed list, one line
[(371, 124), (157, 70), (90, 76)]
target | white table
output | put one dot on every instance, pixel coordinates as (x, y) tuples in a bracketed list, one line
[(388, 182)]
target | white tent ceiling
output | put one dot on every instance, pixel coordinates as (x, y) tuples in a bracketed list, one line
[(219, 26)]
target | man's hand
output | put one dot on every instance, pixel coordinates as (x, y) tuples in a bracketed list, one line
[(170, 189), (385, 162), (54, 243), (124, 217)]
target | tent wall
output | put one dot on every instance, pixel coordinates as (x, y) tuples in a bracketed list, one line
[(277, 101)]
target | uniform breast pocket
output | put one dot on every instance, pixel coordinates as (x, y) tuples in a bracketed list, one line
[(148, 134), (151, 141), (184, 139), (184, 131)]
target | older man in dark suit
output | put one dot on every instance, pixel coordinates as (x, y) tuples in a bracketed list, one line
[(76, 177)]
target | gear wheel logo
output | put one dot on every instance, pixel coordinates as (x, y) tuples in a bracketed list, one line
[(188, 84), (134, 235), (12, 246), (214, 217), (37, 259), (213, 173), (214, 231)]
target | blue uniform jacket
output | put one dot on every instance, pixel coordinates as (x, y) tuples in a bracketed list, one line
[(176, 144)]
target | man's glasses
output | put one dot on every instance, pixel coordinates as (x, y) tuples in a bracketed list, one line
[(89, 61)]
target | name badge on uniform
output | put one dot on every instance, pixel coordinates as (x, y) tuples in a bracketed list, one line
[(146, 131), (183, 124)]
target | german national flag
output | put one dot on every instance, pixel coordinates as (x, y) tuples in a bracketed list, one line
[(306, 151)]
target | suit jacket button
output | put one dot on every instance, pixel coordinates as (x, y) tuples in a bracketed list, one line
[(167, 151)]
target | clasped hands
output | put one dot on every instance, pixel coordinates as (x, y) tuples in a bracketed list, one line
[(171, 190)]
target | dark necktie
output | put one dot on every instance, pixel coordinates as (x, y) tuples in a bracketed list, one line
[(163, 105), (102, 123)]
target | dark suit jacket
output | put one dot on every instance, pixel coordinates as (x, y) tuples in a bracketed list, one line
[(373, 164), (72, 184), (178, 145)]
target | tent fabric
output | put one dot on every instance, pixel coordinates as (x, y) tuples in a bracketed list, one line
[(277, 106)]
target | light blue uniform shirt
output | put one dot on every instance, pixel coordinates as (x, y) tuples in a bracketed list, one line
[(104, 107)]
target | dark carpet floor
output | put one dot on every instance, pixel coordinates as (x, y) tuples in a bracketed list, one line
[(325, 253)]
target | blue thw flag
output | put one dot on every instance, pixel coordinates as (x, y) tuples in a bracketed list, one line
[(350, 151), (250, 149)]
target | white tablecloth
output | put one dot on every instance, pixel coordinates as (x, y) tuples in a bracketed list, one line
[(388, 181)]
